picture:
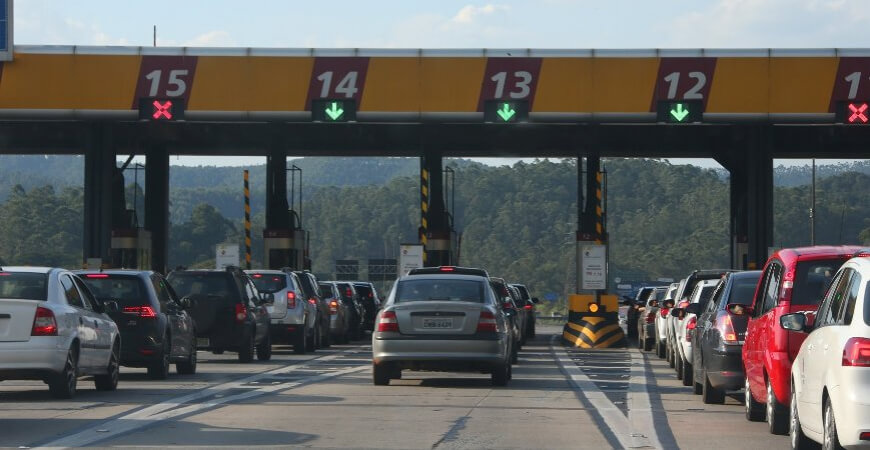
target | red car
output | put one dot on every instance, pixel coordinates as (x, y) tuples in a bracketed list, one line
[(793, 280)]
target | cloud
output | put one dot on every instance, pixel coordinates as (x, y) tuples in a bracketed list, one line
[(468, 13), (215, 38)]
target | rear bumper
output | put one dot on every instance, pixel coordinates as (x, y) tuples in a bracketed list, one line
[(231, 339), (435, 354), (31, 360), (139, 350), (725, 368), (851, 402), (285, 332)]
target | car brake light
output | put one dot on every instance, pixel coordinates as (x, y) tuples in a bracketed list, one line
[(726, 328), (388, 322), (257, 275), (312, 300), (787, 289), (693, 321), (857, 352), (141, 311), (865, 436), (44, 323), (333, 307), (241, 313), (291, 300), (664, 312), (683, 304), (527, 307), (651, 317), (97, 275), (447, 269), (486, 323)]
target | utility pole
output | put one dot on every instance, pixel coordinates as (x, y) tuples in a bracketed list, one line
[(155, 35), (813, 207)]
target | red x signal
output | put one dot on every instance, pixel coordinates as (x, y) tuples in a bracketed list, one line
[(858, 113), (163, 110)]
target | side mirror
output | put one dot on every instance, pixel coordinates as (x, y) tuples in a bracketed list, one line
[(99, 307), (111, 306), (509, 312), (668, 303), (794, 322), (185, 303), (535, 300), (677, 312), (740, 310), (653, 303), (694, 308), (267, 298)]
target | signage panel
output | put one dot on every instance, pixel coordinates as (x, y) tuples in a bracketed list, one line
[(226, 255), (6, 30), (410, 257), (593, 266)]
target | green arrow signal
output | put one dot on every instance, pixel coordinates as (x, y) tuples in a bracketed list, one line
[(506, 112), (679, 113), (333, 111)]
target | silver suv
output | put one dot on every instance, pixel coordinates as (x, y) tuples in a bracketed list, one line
[(293, 317)]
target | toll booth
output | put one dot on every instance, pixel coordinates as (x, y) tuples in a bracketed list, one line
[(131, 249), (286, 248)]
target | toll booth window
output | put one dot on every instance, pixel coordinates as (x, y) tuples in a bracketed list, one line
[(269, 283), (812, 279), (126, 290), (23, 286), (439, 290)]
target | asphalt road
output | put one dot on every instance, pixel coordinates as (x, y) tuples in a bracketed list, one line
[(559, 398)]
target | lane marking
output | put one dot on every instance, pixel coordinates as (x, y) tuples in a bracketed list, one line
[(627, 431), (640, 414), (184, 405)]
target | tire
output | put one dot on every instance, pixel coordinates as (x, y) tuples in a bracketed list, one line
[(648, 344), (660, 349), (246, 352), (264, 349), (187, 367), (159, 370), (325, 338), (688, 376), (63, 384), (314, 343), (678, 366), (109, 380), (300, 342), (798, 440), (775, 413), (711, 395), (514, 355), (753, 410), (381, 374), (532, 331), (672, 361), (830, 439), (697, 388), (501, 374)]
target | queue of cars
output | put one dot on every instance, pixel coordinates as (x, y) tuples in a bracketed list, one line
[(794, 336), (58, 325), (452, 319)]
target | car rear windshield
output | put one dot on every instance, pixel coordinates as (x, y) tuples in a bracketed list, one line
[(706, 294), (326, 290), (365, 291), (23, 285), (742, 291), (269, 282), (127, 290), (812, 279), (204, 284), (439, 290)]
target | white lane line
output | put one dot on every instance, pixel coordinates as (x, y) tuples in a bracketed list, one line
[(640, 414), (174, 407), (620, 426)]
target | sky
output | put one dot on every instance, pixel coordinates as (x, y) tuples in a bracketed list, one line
[(447, 24)]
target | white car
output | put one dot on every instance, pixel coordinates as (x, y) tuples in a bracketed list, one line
[(830, 376), (53, 329), (661, 322), (684, 325)]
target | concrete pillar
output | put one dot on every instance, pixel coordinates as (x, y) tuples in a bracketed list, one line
[(157, 205), (277, 216), (100, 171), (435, 226)]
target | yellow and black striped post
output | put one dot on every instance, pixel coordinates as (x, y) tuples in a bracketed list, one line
[(593, 323), (424, 210), (247, 223), (599, 210)]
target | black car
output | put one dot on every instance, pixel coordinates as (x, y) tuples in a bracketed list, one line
[(371, 302), (529, 306), (646, 319), (311, 288), (350, 296), (228, 311), (717, 350), (156, 329), (633, 312), (512, 311)]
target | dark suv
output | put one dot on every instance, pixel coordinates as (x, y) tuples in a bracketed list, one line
[(228, 311), (156, 329), (371, 302), (311, 288)]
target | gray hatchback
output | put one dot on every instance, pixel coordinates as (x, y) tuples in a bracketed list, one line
[(444, 319)]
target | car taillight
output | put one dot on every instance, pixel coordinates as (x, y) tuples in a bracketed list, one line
[(291, 300), (241, 313), (683, 304), (787, 289), (312, 300), (44, 323), (507, 305), (146, 312), (388, 322), (726, 328), (651, 317), (333, 307), (857, 352), (447, 269), (486, 323), (97, 275), (693, 322), (664, 312), (348, 293), (527, 307)]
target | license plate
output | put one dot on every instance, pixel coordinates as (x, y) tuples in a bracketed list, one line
[(202, 342), (438, 323)]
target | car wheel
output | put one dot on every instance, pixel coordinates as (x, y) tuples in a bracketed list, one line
[(314, 341), (660, 349), (647, 344), (678, 366), (672, 361), (188, 367), (159, 370), (754, 410), (381, 374), (109, 380), (300, 341), (799, 441), (830, 440), (711, 395), (264, 349), (246, 352), (63, 384), (532, 331), (325, 338), (514, 355), (775, 412), (501, 374), (688, 376)]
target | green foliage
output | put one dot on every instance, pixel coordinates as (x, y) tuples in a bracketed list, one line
[(41, 227)]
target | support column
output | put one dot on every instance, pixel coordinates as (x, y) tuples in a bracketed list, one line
[(435, 226), (100, 171), (277, 215), (157, 205)]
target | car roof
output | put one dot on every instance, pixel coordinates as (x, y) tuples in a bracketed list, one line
[(791, 255), (114, 271), (438, 276), (29, 269), (266, 271), (449, 270)]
